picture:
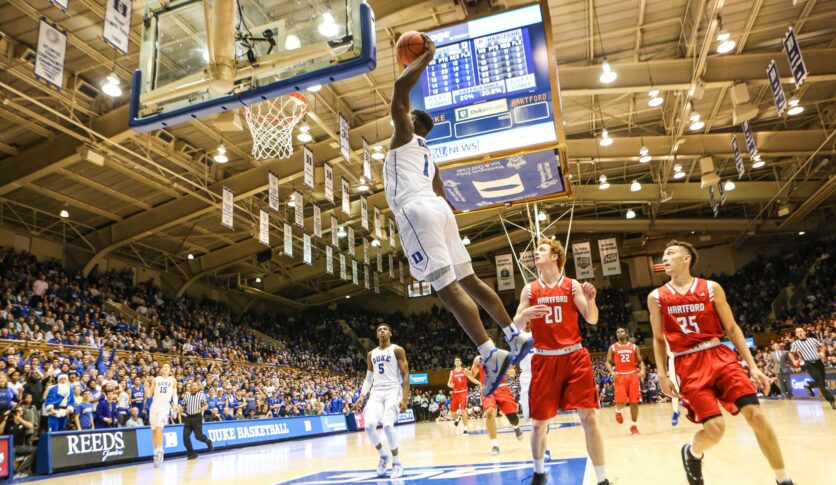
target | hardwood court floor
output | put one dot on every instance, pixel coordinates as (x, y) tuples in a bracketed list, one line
[(806, 429)]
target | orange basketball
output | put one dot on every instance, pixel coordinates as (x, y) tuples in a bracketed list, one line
[(410, 45)]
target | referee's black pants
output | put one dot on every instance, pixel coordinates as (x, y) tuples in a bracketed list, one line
[(816, 371), (193, 423)]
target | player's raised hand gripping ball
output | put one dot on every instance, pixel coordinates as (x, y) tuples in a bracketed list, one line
[(411, 45)]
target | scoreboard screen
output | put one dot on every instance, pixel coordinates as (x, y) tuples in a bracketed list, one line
[(489, 87)]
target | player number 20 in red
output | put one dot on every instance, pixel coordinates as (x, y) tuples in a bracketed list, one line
[(689, 321), (555, 316)]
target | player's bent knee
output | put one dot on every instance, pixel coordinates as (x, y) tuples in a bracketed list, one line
[(513, 419), (491, 412), (715, 428)]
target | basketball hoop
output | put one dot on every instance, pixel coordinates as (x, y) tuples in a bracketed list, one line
[(271, 125)]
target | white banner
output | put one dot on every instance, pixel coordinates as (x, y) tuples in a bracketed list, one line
[(299, 209), (346, 196), (345, 148), (351, 241), (378, 229), (527, 261), (365, 251), (354, 275), (400, 270), (307, 157), (377, 283), (367, 162), (288, 240), (62, 4), (226, 208), (608, 250), (52, 49), (317, 221), (264, 227), (393, 234), (391, 266), (582, 253), (329, 182), (335, 228), (273, 191), (364, 213), (117, 24), (504, 272), (329, 259), (379, 257), (307, 258), (343, 273), (366, 277)]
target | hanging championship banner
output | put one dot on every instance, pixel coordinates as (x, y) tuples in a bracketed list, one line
[(712, 200), (722, 192), (582, 253), (504, 272), (364, 213), (738, 158), (343, 273), (335, 228), (354, 275), (226, 208), (366, 281), (750, 140), (288, 240), (377, 283), (117, 24), (345, 148), (329, 182), (351, 251), (777, 89), (62, 4), (400, 270), (797, 66), (273, 191), (52, 49), (329, 259), (608, 250), (378, 224), (264, 227), (299, 209), (307, 157), (307, 258), (391, 266), (367, 162), (393, 240), (317, 221), (365, 251), (379, 260), (346, 196)]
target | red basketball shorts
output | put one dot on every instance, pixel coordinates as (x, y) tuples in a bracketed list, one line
[(627, 388), (459, 401), (561, 383), (503, 399), (709, 376)]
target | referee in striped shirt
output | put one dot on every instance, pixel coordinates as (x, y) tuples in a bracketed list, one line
[(812, 352), (194, 405)]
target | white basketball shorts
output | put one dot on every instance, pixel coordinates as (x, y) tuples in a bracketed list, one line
[(525, 383), (158, 416), (383, 407), (432, 242)]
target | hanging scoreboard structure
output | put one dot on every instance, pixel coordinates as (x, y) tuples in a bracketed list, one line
[(493, 94)]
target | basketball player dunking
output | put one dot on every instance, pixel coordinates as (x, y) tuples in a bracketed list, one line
[(502, 400), (385, 377), (692, 315), (626, 376), (429, 232), (561, 369), (164, 401), (458, 383)]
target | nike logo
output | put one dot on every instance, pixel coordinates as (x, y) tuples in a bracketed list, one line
[(496, 364)]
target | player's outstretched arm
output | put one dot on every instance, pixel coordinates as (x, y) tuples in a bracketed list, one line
[(659, 348), (400, 95), (400, 355)]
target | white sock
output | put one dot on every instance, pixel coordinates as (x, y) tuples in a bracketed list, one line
[(691, 451), (540, 466), (617, 411), (396, 460), (601, 473), (675, 404), (494, 443), (381, 452), (509, 331), (781, 475), (486, 348)]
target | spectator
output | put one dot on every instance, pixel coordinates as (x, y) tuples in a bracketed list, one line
[(134, 421)]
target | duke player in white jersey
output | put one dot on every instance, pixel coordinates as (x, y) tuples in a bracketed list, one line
[(164, 395), (429, 232), (385, 377)]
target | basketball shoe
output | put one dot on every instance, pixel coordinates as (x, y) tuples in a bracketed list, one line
[(520, 345), (496, 365), (381, 466)]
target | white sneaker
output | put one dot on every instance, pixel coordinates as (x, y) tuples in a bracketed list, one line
[(520, 345), (381, 466), (496, 365), (397, 470)]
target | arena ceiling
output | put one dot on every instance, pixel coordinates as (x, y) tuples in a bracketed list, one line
[(155, 197)]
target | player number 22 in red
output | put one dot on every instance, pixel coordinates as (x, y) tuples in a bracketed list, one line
[(555, 316), (689, 321)]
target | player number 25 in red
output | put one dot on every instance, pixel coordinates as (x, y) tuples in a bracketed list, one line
[(689, 321), (555, 316)]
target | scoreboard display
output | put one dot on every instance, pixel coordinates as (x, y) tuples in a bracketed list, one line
[(489, 87)]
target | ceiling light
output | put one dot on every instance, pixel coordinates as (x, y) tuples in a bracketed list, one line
[(304, 137), (315, 88), (110, 86), (645, 159), (258, 279), (801, 233), (678, 175), (605, 138), (630, 214), (677, 168), (635, 186), (653, 92), (541, 216), (375, 243), (758, 163), (729, 186), (341, 233), (726, 46), (643, 151), (363, 186), (795, 108), (328, 27), (466, 241), (607, 74), (347, 297), (220, 156), (655, 100), (64, 213), (724, 38), (722, 35), (378, 148), (292, 42), (190, 256), (604, 185), (696, 122), (291, 202), (378, 155), (205, 54)]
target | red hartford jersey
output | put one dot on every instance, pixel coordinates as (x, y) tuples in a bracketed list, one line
[(459, 380), (690, 319), (624, 357), (559, 327)]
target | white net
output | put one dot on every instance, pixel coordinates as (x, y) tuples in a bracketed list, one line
[(271, 125)]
